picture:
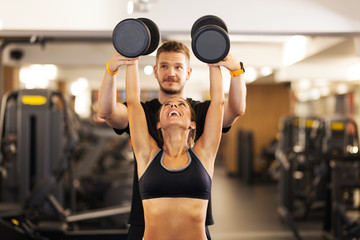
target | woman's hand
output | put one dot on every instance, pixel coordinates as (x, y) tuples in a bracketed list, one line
[(118, 60), (229, 62)]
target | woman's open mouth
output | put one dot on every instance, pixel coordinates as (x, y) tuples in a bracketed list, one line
[(174, 114)]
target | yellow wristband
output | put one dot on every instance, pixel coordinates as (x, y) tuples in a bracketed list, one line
[(238, 72), (110, 72)]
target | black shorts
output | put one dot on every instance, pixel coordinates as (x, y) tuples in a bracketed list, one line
[(137, 232)]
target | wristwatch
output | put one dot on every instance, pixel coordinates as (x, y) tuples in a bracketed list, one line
[(238, 72)]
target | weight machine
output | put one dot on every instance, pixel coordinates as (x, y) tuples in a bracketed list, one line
[(299, 163), (38, 141), (340, 147), (322, 171), (301, 171)]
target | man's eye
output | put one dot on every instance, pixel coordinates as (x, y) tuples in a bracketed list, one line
[(166, 104), (182, 104)]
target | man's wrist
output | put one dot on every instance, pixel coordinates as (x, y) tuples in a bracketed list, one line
[(238, 72), (108, 69)]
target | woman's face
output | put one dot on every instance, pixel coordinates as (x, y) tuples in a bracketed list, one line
[(175, 110)]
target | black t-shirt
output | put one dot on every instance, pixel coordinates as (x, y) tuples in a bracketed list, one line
[(151, 109)]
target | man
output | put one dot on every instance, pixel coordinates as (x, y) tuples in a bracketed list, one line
[(172, 70)]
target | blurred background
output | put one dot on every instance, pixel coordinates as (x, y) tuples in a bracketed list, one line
[(302, 61)]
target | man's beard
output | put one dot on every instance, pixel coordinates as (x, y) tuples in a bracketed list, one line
[(171, 91)]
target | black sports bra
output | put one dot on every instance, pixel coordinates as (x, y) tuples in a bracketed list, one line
[(192, 181)]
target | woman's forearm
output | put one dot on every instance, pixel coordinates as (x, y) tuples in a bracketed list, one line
[(216, 85), (132, 84)]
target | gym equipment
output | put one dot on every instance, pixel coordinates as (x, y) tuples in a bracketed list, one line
[(297, 160), (35, 133), (320, 166), (340, 136), (339, 145), (210, 41), (104, 173), (38, 142), (245, 155), (134, 37), (298, 163), (344, 205)]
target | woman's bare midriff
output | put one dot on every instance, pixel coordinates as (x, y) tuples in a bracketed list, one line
[(175, 218)]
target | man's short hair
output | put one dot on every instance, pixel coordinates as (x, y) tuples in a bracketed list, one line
[(173, 46)]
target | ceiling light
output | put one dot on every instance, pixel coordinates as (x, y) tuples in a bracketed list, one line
[(325, 91), (79, 86), (304, 84), (294, 50), (148, 70), (37, 75), (342, 88), (321, 82), (51, 71), (82, 104), (302, 96), (138, 6), (314, 94), (266, 71), (353, 72), (250, 74), (130, 7)]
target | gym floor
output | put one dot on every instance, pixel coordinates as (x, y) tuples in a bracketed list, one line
[(243, 211)]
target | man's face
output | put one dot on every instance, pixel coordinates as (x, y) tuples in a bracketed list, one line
[(172, 70)]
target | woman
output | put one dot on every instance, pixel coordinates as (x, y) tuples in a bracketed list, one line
[(175, 180)]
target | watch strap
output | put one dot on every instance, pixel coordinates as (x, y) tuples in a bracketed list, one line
[(238, 72)]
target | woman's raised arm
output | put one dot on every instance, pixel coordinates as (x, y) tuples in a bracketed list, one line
[(142, 142), (208, 144)]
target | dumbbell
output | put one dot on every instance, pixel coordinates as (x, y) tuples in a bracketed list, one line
[(134, 37), (209, 39)]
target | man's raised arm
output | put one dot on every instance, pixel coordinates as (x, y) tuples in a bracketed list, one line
[(235, 104), (114, 113)]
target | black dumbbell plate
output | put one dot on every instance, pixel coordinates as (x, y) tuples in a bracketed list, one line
[(154, 33), (208, 20), (131, 38), (210, 44)]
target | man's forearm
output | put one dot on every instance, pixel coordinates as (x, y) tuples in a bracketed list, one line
[(109, 110), (236, 103), (237, 96), (107, 96)]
